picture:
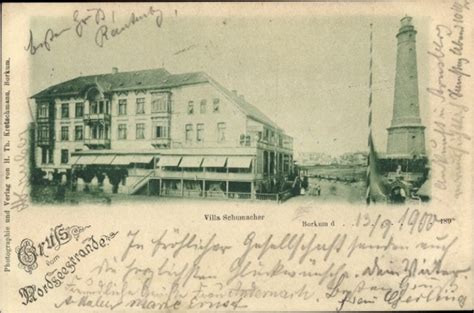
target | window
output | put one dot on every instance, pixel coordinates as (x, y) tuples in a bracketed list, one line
[(265, 162), (47, 155), (190, 107), (64, 156), (43, 110), (44, 155), (64, 133), (93, 107), (161, 131), (98, 131), (122, 131), (189, 132), (215, 105), (266, 135), (94, 131), (78, 133), (286, 163), (122, 107), (200, 132), (159, 103), (102, 106), (220, 132), (140, 105), (202, 109), (140, 131), (43, 133), (51, 156), (65, 110), (79, 109)]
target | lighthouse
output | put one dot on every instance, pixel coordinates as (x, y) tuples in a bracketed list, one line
[(406, 138)]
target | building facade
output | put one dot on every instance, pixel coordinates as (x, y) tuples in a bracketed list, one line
[(182, 134)]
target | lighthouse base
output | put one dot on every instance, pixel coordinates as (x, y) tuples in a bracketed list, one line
[(406, 142)]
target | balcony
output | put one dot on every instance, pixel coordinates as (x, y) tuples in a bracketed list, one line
[(42, 119), (253, 140), (160, 114), (42, 141), (97, 143), (91, 117), (161, 142), (200, 175)]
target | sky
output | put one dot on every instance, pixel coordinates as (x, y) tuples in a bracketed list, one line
[(308, 73)]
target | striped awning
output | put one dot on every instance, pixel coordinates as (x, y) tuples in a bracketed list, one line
[(104, 159), (214, 161), (86, 160), (123, 160), (73, 160), (168, 160), (191, 161), (239, 162), (142, 159)]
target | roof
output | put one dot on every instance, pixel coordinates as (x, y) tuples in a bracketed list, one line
[(245, 106), (158, 78), (121, 81)]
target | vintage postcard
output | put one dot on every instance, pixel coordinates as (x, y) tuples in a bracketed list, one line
[(310, 156)]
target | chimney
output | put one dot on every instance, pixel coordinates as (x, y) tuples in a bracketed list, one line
[(234, 92), (114, 70)]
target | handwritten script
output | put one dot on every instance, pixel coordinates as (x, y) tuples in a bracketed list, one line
[(103, 24), (170, 269), (450, 143)]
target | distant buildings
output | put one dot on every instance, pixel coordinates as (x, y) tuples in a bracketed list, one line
[(183, 135), (349, 158)]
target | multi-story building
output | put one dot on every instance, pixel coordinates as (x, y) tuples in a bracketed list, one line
[(171, 134)]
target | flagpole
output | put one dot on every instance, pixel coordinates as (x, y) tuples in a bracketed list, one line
[(368, 193)]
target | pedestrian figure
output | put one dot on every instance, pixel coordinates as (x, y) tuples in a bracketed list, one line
[(398, 195), (60, 192)]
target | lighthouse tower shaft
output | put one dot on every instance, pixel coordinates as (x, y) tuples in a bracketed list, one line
[(406, 137)]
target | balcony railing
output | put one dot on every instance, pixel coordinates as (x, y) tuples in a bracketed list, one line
[(160, 114), (43, 141), (190, 193), (42, 119), (200, 175), (161, 141), (96, 116), (97, 142)]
